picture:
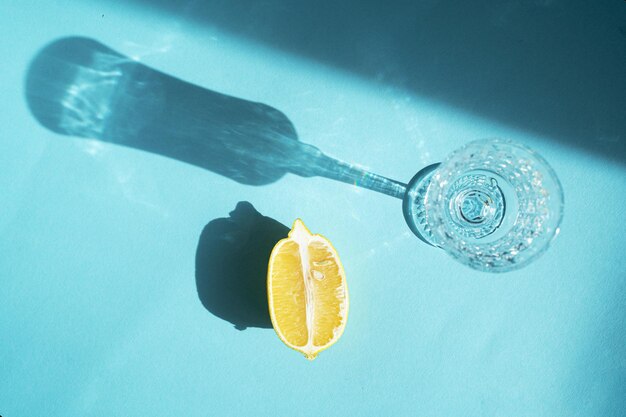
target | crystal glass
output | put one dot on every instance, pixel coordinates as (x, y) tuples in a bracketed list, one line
[(493, 205)]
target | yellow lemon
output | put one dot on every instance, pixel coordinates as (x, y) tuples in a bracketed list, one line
[(307, 291)]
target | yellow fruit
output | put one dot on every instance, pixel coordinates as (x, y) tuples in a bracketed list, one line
[(307, 291)]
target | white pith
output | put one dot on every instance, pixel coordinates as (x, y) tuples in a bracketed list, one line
[(302, 238)]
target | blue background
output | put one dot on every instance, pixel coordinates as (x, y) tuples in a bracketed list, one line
[(99, 312)]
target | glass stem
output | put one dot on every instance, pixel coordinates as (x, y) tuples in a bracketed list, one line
[(319, 164), (351, 174)]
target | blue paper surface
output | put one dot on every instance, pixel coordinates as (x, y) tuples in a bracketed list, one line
[(100, 313)]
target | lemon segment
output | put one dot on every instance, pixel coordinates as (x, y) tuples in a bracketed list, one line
[(307, 291)]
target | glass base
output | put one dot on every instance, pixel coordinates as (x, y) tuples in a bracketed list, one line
[(413, 204)]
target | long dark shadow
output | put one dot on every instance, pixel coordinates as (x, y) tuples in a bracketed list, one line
[(552, 67), (79, 87), (231, 266)]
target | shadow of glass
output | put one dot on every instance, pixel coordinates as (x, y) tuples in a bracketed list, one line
[(231, 266), (79, 87)]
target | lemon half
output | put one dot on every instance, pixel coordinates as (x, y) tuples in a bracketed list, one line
[(307, 291)]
